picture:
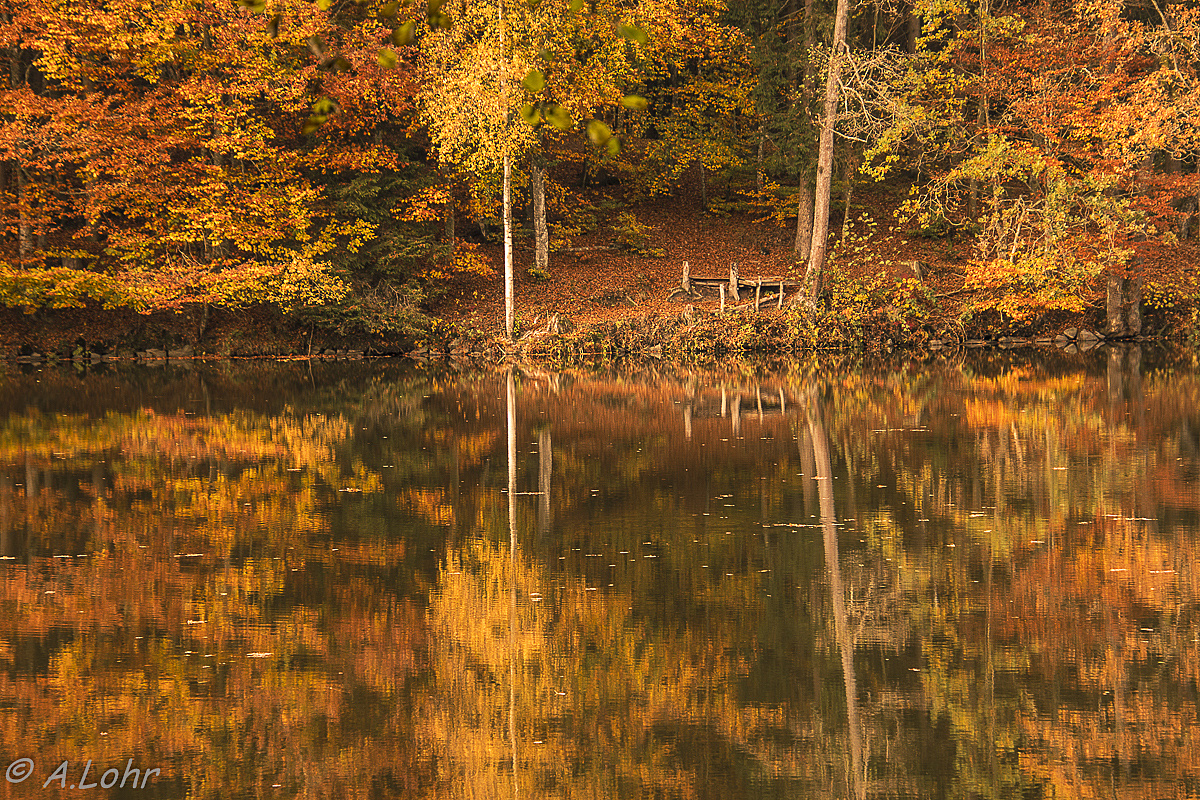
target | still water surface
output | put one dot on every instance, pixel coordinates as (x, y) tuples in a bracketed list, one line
[(951, 580)]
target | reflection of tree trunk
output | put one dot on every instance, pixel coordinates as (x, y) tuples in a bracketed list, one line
[(824, 479), (512, 557), (5, 527), (545, 469)]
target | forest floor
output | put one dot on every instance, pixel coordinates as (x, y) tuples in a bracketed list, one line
[(592, 286)]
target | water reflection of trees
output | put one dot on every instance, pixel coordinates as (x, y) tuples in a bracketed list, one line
[(991, 595)]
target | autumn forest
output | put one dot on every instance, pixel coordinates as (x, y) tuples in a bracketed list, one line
[(348, 163)]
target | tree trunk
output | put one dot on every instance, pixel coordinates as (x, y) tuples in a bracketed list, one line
[(703, 188), (804, 221), (820, 237), (541, 236), (848, 175), (1116, 319), (758, 164), (1133, 306), (912, 30), (24, 230), (508, 252)]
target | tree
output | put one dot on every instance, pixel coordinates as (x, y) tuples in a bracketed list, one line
[(824, 188)]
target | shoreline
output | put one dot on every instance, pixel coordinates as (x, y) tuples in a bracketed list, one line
[(101, 337)]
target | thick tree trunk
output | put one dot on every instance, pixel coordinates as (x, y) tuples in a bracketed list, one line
[(820, 237), (1133, 306), (1116, 317), (912, 30), (541, 236), (804, 221)]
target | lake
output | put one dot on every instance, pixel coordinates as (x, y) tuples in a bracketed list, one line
[(967, 577)]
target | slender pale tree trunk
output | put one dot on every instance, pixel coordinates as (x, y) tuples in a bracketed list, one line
[(508, 252), (507, 198), (820, 237), (541, 235)]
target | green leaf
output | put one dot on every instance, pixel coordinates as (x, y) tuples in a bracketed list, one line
[(531, 114), (257, 6), (387, 58), (576, 6), (405, 35), (311, 124), (598, 132), (634, 103), (614, 146), (633, 33), (389, 9), (439, 20), (535, 81), (557, 116), (324, 106)]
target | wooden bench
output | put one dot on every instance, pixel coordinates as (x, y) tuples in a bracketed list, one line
[(734, 285)]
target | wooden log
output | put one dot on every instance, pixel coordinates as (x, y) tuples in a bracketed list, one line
[(687, 277), (733, 281), (723, 298), (757, 294), (779, 304)]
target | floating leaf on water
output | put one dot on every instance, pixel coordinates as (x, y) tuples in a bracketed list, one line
[(531, 114), (547, 55), (576, 5), (342, 65), (324, 106), (633, 33), (614, 146), (311, 124), (257, 6), (634, 103), (439, 20), (598, 132), (386, 58), (405, 34), (389, 9), (535, 81), (557, 116)]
